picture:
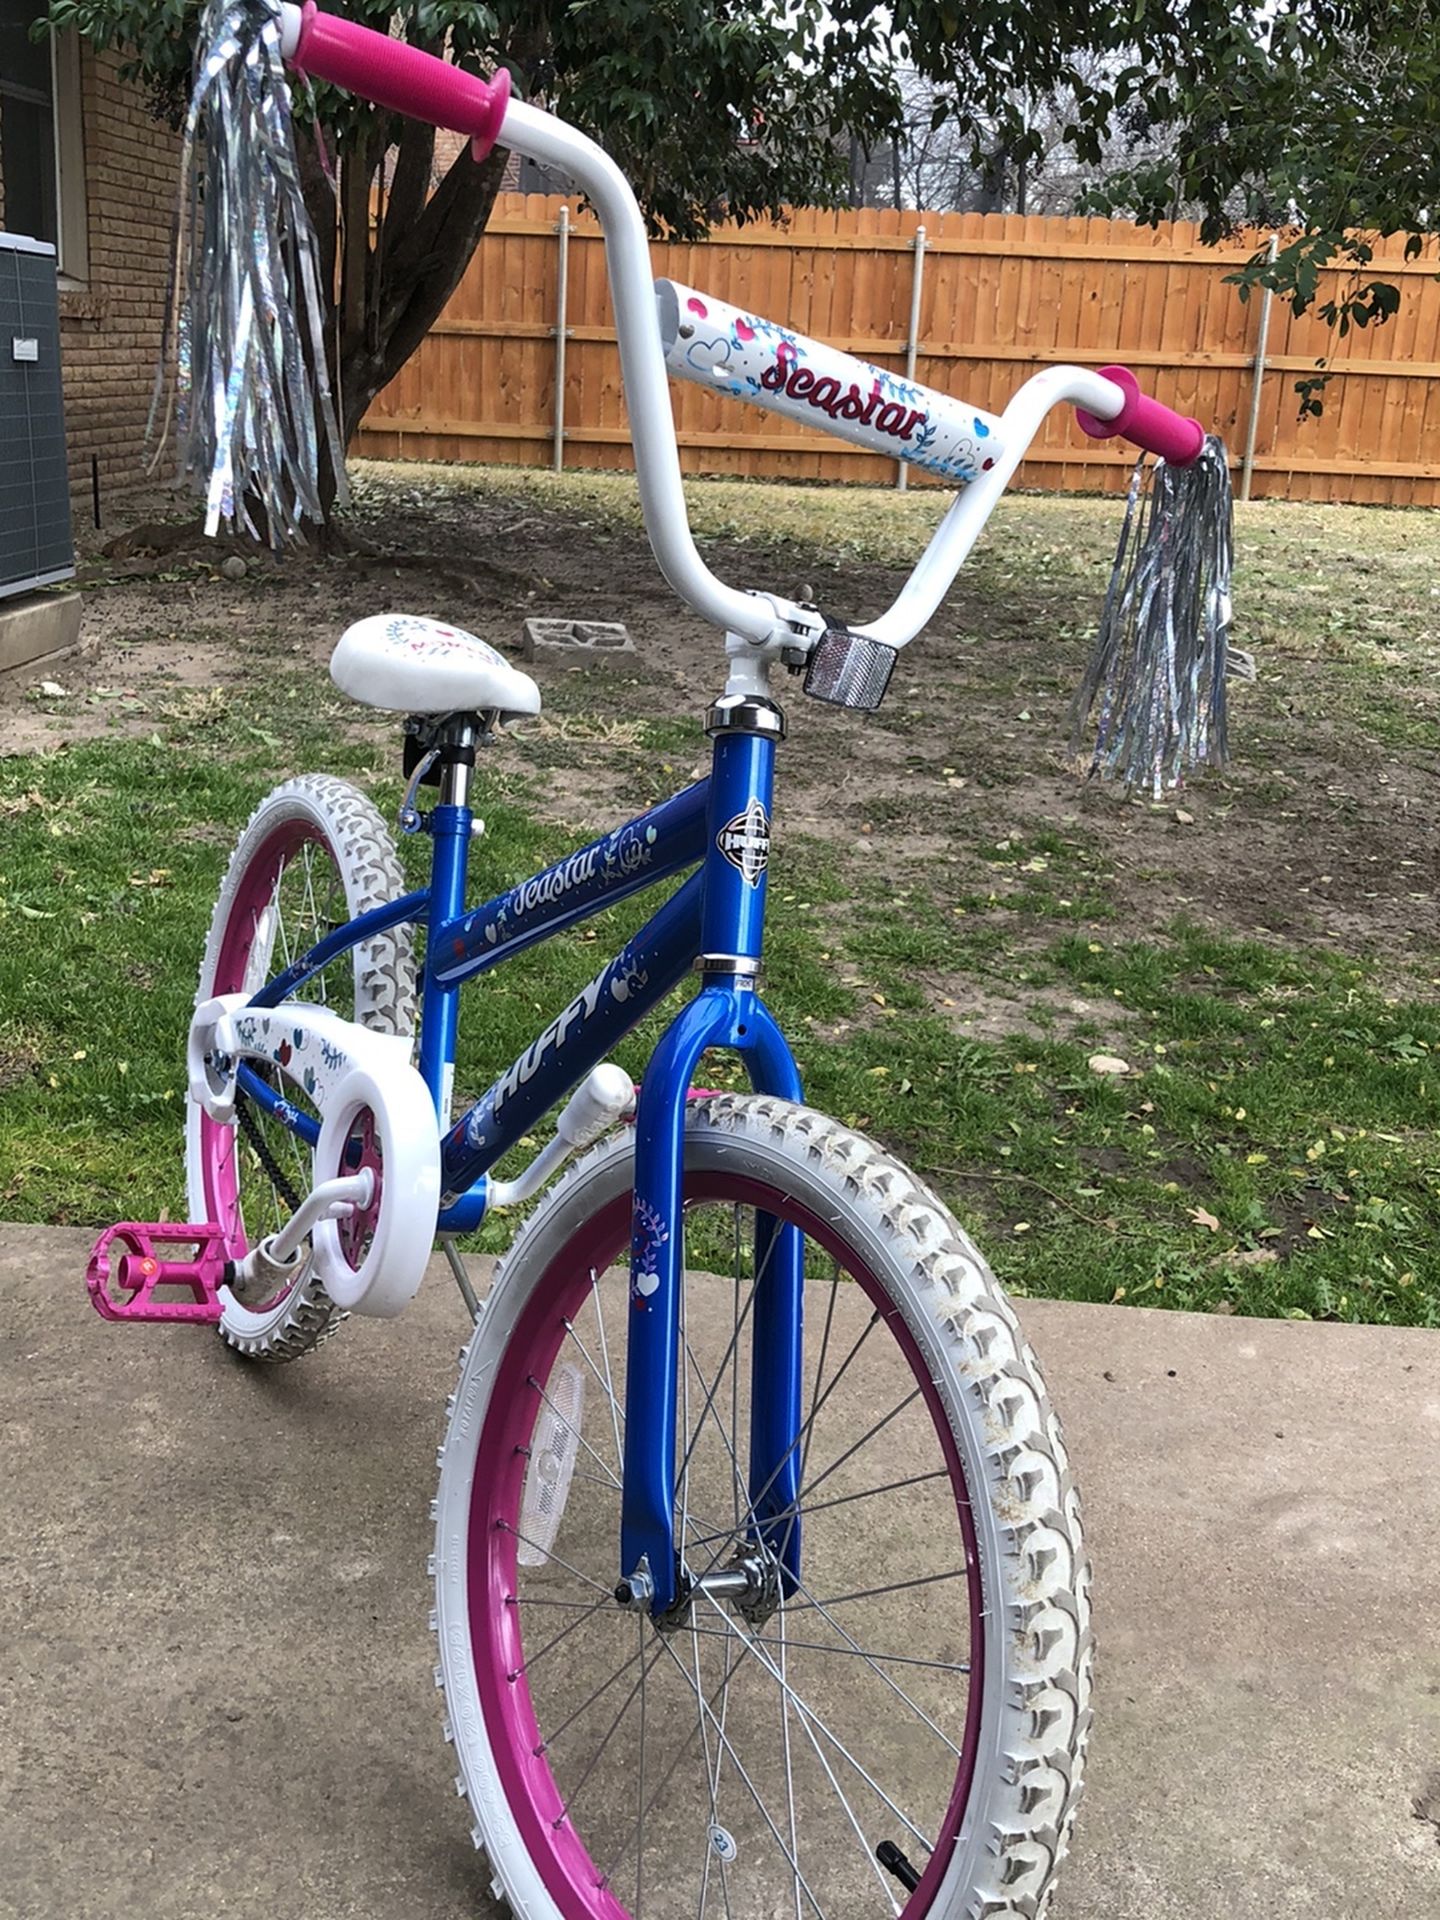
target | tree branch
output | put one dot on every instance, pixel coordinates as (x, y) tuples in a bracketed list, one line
[(414, 165), (419, 276)]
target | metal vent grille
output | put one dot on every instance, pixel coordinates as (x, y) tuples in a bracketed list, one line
[(35, 539)]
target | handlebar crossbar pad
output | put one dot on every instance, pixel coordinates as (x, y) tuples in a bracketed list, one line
[(1146, 423), (393, 74), (729, 351)]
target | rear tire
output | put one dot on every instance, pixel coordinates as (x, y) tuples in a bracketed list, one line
[(314, 854)]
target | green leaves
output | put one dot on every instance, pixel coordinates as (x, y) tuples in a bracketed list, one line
[(1314, 116)]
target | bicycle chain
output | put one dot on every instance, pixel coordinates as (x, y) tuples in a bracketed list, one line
[(252, 1133)]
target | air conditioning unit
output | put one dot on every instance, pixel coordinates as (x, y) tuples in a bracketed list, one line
[(35, 541)]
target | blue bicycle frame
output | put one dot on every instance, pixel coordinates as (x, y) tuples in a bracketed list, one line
[(721, 827)]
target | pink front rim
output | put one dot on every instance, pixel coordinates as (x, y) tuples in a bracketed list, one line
[(530, 1789), (253, 894)]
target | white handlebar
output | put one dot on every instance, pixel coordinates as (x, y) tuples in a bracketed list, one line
[(542, 137), (411, 81)]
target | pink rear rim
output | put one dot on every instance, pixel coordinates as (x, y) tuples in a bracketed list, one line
[(535, 1798), (257, 888)]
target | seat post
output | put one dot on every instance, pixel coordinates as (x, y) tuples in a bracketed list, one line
[(454, 740)]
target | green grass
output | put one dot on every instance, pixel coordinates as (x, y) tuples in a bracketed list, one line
[(1274, 1148)]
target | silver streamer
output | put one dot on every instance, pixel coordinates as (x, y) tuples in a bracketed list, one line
[(253, 414), (1154, 690)]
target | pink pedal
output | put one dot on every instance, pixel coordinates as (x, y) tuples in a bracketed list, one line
[(126, 1267)]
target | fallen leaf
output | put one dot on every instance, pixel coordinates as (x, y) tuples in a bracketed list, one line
[(1204, 1219), (1107, 1063)]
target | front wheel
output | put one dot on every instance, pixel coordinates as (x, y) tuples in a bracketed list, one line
[(314, 854), (905, 1731)]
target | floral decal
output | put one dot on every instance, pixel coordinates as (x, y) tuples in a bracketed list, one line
[(649, 1236)]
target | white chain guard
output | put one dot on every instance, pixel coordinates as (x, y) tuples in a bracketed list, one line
[(343, 1069)]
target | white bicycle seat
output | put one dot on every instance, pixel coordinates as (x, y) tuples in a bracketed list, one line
[(404, 664)]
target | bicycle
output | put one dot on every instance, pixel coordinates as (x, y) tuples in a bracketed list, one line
[(841, 1659)]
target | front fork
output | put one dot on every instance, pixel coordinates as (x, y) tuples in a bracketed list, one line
[(727, 1012)]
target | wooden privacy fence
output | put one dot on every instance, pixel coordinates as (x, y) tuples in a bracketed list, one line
[(998, 296)]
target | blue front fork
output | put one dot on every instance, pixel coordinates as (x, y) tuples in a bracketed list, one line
[(727, 1012)]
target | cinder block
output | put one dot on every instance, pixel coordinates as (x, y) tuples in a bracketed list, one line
[(36, 626), (590, 639)]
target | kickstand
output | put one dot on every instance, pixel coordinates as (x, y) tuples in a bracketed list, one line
[(462, 1279)]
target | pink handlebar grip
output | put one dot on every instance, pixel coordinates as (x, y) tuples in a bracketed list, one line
[(395, 75), (1146, 423)]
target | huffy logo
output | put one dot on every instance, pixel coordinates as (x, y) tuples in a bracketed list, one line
[(825, 393), (745, 842)]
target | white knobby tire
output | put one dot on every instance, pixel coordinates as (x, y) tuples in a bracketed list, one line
[(314, 853), (1032, 1579)]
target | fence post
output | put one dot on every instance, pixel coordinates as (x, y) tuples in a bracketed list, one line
[(562, 294), (1257, 375), (912, 338)]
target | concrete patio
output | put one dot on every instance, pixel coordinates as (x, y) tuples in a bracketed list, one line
[(216, 1696)]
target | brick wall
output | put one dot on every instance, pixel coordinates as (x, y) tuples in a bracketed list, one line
[(110, 328)]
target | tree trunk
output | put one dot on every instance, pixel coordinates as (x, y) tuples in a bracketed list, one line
[(413, 277), (390, 285)]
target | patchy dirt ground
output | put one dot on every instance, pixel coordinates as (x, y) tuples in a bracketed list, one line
[(1322, 829)]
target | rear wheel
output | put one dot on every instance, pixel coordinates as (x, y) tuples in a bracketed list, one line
[(314, 854), (906, 1730)]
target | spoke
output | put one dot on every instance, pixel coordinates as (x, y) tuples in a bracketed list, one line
[(608, 1390), (712, 1780), (612, 1481), (279, 911), (820, 1367), (725, 1359), (549, 1739), (605, 1387), (545, 1600), (861, 1653), (640, 1784), (721, 1533), (865, 1439), (799, 1439), (865, 1847), (870, 1593), (528, 1661), (738, 1765), (807, 1511), (593, 1479), (758, 1648), (685, 1746), (594, 1760), (848, 1653), (616, 1417), (308, 862), (789, 1775), (553, 1559)]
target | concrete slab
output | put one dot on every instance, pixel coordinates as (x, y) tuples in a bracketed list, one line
[(582, 639), (216, 1693), (38, 628)]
